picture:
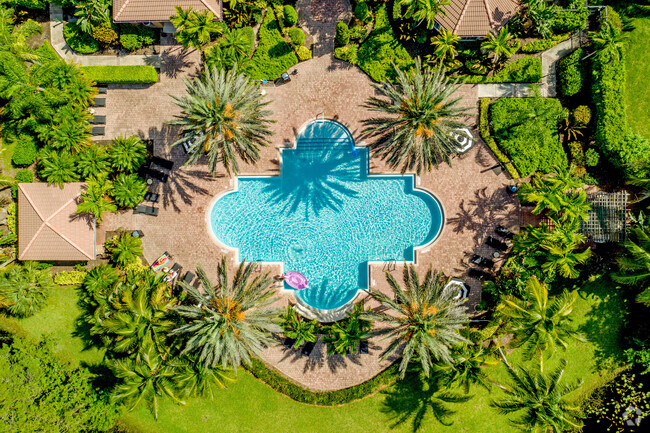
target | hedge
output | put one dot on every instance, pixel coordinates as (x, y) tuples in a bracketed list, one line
[(381, 50), (526, 70), (571, 74), (330, 398), (12, 224), (484, 130), (133, 37), (70, 278), (25, 151), (297, 36), (290, 15), (79, 41), (568, 21), (137, 74), (273, 55), (544, 44)]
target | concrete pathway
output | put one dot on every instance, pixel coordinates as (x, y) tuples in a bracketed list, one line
[(63, 49), (319, 19)]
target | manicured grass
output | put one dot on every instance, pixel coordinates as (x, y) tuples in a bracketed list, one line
[(7, 152), (637, 64), (249, 405), (136, 74)]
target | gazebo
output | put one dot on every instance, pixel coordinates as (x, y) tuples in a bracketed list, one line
[(607, 217)]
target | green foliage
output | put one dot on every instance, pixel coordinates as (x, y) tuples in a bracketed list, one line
[(348, 53), (28, 4), (133, 37), (124, 249), (540, 45), (526, 70), (136, 74), (572, 74), (362, 12), (612, 16), (273, 55), (500, 46), (591, 157), (22, 176), (92, 161), (57, 167), (128, 190), (25, 288), (358, 33), (11, 217), (486, 135), (304, 53), (79, 41), (234, 49), (42, 393), (582, 115), (342, 33), (105, 33), (298, 328), (25, 151), (297, 36), (577, 157), (568, 21), (290, 16), (95, 199), (526, 129), (70, 278), (195, 29), (127, 154), (91, 13), (345, 336), (382, 50)]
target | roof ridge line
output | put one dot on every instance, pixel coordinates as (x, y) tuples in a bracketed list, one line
[(73, 244), (460, 17), (117, 15), (489, 13), (215, 13), (31, 203)]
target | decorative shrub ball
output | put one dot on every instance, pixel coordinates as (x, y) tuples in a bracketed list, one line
[(105, 34), (304, 53), (25, 151), (582, 115), (342, 34), (290, 15), (592, 157), (297, 36)]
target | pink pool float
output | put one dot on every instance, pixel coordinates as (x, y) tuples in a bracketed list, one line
[(296, 280)]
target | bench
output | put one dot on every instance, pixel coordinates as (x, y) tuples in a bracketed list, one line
[(147, 210), (99, 102), (97, 130), (98, 120)]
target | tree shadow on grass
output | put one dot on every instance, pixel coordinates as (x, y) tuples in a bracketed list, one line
[(415, 398)]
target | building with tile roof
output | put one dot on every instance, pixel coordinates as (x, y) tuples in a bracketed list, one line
[(159, 11), (476, 18), (49, 227)]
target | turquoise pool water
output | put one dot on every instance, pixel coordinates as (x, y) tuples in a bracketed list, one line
[(325, 217)]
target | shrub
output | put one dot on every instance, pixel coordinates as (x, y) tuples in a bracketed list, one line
[(342, 34), (358, 33), (304, 53), (105, 33), (273, 55), (347, 53), (582, 115), (613, 17), (28, 4), (526, 70), (25, 151), (526, 128), (26, 289), (11, 218), (22, 176), (362, 12), (381, 50), (635, 154), (571, 74), (591, 157), (297, 36), (134, 37), (544, 44), (290, 15), (484, 129), (137, 74), (567, 21), (124, 249), (78, 40), (70, 278), (577, 157)]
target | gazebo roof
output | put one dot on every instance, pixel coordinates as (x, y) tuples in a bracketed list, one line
[(607, 217), (49, 227)]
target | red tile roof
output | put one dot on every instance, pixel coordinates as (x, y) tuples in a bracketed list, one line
[(159, 10), (49, 227), (477, 17)]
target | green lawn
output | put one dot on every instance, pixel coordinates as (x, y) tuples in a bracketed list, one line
[(638, 79), (248, 405)]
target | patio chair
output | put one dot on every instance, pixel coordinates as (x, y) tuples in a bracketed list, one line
[(98, 120), (164, 163), (189, 276), (496, 244), (147, 210), (307, 349), (363, 347), (156, 174), (152, 197), (98, 130), (504, 232), (176, 267), (99, 102), (289, 342), (481, 261), (102, 90)]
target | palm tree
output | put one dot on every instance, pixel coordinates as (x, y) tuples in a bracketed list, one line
[(224, 117), (91, 12), (95, 199), (69, 130), (196, 380), (538, 322), (194, 29), (294, 326), (127, 154), (57, 167), (100, 278), (233, 319), (634, 263), (445, 45), (541, 14), (128, 190), (424, 317), (469, 365), (502, 45), (420, 113), (25, 288), (560, 248), (124, 249), (609, 42), (92, 161), (424, 10), (542, 399)]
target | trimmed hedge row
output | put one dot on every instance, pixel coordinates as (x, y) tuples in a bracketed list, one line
[(543, 44), (137, 74), (526, 70), (571, 74), (273, 55), (331, 398), (484, 130), (70, 278)]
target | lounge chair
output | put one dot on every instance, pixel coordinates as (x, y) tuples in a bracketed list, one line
[(189, 276), (147, 210), (156, 174), (98, 120), (479, 274), (164, 163), (307, 348), (496, 244), (481, 261), (98, 130), (102, 89), (363, 347), (504, 232), (152, 197), (289, 342), (176, 267), (99, 102)]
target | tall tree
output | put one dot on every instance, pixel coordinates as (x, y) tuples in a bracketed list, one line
[(25, 289), (418, 115), (92, 161), (609, 42), (231, 320), (634, 263), (223, 116), (95, 200), (57, 167), (445, 46), (127, 154), (424, 11), (501, 45), (423, 316), (195, 29), (128, 190)]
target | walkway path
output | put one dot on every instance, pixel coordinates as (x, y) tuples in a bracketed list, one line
[(63, 49), (319, 19), (548, 85)]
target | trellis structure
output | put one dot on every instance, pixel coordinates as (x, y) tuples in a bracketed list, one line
[(607, 217)]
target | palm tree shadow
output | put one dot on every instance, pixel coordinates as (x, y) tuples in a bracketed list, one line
[(415, 398)]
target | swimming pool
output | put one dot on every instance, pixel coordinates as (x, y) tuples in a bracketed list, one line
[(325, 217)]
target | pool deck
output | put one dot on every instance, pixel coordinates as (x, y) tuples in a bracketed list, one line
[(472, 195)]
